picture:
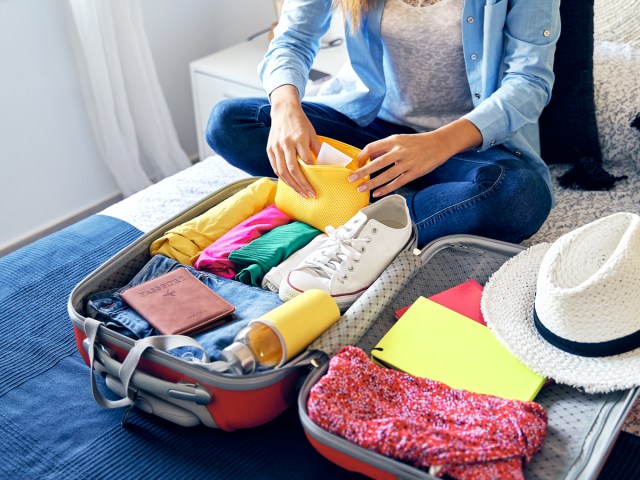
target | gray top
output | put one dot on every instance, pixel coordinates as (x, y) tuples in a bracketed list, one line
[(424, 64)]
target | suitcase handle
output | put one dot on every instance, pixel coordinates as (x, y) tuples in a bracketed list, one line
[(132, 380), (107, 365)]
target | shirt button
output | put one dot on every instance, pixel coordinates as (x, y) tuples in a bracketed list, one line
[(518, 154), (477, 95), (474, 56), (469, 19), (546, 33), (493, 142)]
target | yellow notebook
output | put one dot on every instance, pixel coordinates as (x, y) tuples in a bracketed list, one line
[(432, 341)]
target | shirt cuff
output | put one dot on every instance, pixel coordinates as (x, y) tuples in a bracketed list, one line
[(488, 119), (285, 77)]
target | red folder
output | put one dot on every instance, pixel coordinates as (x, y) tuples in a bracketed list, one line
[(463, 298)]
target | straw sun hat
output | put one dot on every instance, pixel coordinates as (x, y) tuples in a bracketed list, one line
[(570, 310)]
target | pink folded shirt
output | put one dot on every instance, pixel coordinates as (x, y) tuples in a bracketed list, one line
[(215, 258)]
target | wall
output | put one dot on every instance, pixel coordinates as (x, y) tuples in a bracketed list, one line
[(50, 170), (180, 31), (51, 173)]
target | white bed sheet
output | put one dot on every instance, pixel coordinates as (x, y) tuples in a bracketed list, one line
[(154, 205)]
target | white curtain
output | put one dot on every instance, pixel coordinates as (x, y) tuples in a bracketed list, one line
[(132, 124)]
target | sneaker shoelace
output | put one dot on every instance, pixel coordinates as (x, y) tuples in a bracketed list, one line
[(341, 248)]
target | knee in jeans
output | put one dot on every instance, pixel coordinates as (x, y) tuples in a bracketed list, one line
[(530, 204), (220, 123)]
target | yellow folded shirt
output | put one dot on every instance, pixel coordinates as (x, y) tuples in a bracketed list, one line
[(185, 242)]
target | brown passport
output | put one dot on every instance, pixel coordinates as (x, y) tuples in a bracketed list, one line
[(177, 303)]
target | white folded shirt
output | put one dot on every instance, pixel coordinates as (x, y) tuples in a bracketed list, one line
[(275, 276)]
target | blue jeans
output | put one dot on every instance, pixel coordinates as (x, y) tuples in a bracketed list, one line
[(492, 193), (250, 302)]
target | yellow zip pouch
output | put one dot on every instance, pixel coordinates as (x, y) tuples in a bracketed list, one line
[(337, 199)]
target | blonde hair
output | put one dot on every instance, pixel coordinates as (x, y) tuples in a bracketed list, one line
[(354, 9)]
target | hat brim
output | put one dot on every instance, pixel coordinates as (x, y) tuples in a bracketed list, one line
[(507, 307)]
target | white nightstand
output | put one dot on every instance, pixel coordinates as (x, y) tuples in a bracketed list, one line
[(233, 73)]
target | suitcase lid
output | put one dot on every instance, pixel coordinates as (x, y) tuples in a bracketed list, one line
[(582, 428)]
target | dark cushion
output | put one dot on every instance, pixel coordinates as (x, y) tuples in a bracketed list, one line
[(568, 128)]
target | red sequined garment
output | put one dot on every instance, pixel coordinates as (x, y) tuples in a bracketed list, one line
[(425, 423)]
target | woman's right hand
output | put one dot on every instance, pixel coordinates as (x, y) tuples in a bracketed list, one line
[(291, 136)]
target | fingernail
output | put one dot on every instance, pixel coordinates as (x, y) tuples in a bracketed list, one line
[(375, 194), (352, 178), (311, 195), (362, 188)]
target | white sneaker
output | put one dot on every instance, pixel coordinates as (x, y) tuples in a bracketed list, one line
[(354, 255)]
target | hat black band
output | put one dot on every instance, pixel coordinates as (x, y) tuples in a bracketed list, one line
[(584, 349)]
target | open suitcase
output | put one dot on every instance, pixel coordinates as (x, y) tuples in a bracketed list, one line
[(582, 428), (165, 385)]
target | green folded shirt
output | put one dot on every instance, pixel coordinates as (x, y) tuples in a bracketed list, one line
[(255, 259)]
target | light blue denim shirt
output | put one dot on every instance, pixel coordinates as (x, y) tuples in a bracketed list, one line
[(508, 45)]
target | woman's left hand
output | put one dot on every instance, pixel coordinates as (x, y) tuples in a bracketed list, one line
[(410, 156)]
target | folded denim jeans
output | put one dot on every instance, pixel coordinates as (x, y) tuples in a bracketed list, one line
[(250, 302)]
